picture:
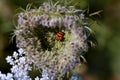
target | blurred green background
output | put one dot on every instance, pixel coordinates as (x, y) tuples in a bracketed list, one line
[(103, 61)]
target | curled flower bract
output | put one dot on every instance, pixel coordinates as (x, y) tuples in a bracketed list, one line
[(36, 32)]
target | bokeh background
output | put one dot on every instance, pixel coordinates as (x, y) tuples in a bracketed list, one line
[(103, 61)]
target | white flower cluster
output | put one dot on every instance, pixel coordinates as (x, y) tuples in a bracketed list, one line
[(17, 66), (36, 36), (20, 67)]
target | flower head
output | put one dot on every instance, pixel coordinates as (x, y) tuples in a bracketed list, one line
[(52, 38), (38, 28)]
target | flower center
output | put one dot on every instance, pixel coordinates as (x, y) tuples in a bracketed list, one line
[(51, 38)]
